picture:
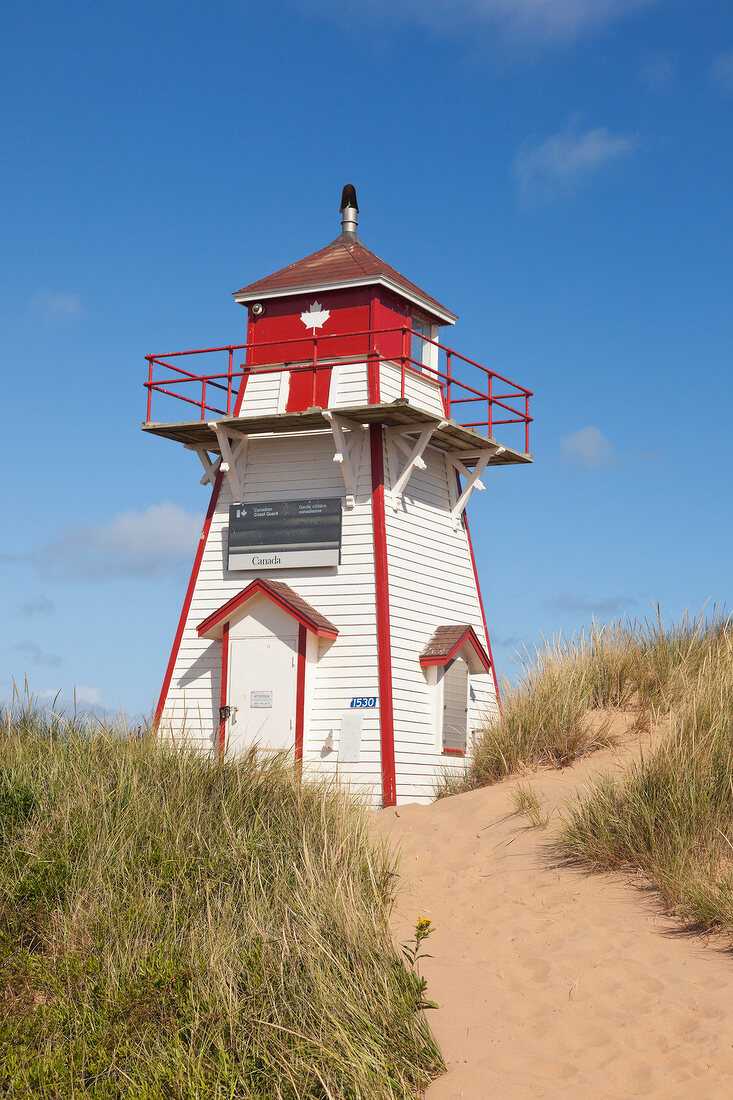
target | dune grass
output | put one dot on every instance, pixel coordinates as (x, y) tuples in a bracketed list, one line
[(529, 804), (670, 817), (173, 926), (547, 719)]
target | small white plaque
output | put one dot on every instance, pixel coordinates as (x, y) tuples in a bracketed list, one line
[(260, 699), (350, 739)]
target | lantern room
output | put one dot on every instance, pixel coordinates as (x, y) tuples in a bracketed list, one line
[(321, 321)]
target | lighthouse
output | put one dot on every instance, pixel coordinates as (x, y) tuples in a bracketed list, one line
[(333, 610)]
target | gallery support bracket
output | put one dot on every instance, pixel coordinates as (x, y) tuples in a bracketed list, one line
[(210, 465), (233, 453), (348, 449), (400, 439), (457, 466)]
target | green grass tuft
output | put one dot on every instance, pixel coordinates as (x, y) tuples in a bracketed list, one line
[(670, 817), (528, 803), (173, 926)]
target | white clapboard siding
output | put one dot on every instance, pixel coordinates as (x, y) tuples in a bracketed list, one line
[(431, 582), (420, 389), (278, 468), (266, 391), (348, 385)]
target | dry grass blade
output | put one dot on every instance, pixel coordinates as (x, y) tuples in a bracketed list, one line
[(176, 926), (671, 815), (528, 803)]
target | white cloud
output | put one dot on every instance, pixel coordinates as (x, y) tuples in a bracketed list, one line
[(35, 654), (564, 161), (55, 307), (90, 695), (588, 448), (42, 605), (722, 71), (81, 699), (548, 20), (133, 544), (559, 19), (581, 605)]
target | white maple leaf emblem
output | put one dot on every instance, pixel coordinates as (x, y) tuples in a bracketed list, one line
[(315, 317)]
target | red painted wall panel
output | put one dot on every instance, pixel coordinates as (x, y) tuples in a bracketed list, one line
[(349, 312), (308, 388), (390, 312)]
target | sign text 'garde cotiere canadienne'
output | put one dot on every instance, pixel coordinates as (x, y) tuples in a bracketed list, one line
[(278, 534)]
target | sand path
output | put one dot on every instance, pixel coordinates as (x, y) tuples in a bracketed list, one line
[(552, 982)]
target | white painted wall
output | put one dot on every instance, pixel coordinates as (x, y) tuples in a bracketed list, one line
[(267, 391), (293, 467), (431, 583), (421, 389)]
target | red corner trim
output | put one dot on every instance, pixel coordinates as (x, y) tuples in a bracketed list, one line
[(224, 686), (187, 599), (259, 586), (300, 697), (469, 635), (373, 364), (194, 576), (384, 644), (481, 602)]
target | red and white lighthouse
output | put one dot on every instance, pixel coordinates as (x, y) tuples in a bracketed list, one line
[(334, 608)]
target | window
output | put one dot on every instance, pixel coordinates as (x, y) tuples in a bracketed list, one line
[(420, 349), (455, 706)]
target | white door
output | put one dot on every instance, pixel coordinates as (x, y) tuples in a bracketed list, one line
[(262, 675)]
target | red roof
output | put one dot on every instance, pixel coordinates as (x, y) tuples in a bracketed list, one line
[(446, 643), (281, 594), (344, 262)]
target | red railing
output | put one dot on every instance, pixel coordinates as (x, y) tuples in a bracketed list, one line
[(452, 373)]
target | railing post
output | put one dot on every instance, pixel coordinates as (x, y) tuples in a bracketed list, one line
[(447, 382), (203, 398), (229, 382), (491, 411), (373, 381), (150, 385), (526, 423)]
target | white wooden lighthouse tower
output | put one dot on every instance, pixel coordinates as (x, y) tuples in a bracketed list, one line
[(334, 608)]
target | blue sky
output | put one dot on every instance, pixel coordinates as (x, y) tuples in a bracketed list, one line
[(558, 172)]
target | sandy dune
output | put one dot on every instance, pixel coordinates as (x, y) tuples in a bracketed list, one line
[(551, 982)]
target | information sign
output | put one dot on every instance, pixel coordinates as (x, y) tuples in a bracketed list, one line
[(364, 702), (279, 534)]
